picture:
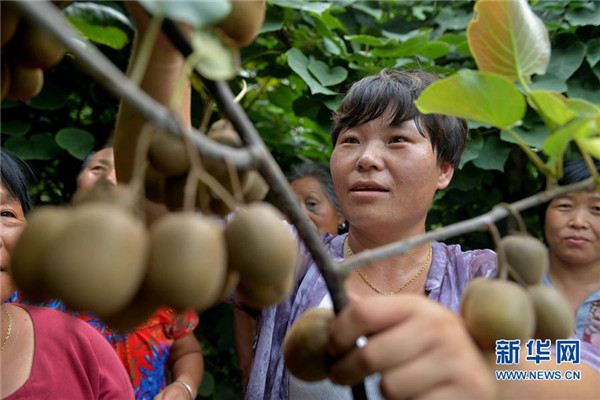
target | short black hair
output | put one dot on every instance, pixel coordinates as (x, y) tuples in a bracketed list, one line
[(14, 178), (321, 173), (576, 170), (395, 91)]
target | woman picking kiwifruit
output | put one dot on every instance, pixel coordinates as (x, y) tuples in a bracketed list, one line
[(45, 352), (388, 161), (572, 230)]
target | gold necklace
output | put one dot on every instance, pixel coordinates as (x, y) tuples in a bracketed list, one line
[(8, 329), (404, 285)]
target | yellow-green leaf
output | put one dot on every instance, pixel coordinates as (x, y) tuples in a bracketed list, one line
[(592, 146), (479, 96), (507, 38), (577, 128), (552, 107)]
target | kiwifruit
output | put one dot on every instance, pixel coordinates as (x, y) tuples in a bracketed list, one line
[(554, 318), (167, 154), (35, 48), (9, 22), (257, 295), (103, 191), (5, 79), (528, 257), (305, 345), (25, 83), (255, 187), (497, 310), (139, 310), (259, 245), (98, 262), (244, 21), (473, 286), (44, 225), (188, 260)]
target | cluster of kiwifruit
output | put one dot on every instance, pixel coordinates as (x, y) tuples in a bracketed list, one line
[(100, 256), (27, 50), (519, 307)]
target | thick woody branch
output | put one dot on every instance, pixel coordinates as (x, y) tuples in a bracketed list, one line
[(460, 228), (46, 15)]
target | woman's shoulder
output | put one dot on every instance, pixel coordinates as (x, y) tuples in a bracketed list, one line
[(480, 262)]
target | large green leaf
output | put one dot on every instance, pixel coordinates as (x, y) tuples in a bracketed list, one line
[(565, 61), (534, 137), (100, 23), (52, 97), (77, 142), (578, 128), (588, 14), (434, 50), (479, 96), (472, 151), (493, 155), (298, 62), (592, 54), (592, 145), (507, 38), (552, 107), (195, 13), (15, 126), (407, 48), (548, 82), (325, 75), (37, 147)]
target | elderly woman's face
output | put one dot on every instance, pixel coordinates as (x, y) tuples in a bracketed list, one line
[(316, 204), (385, 176), (100, 166), (12, 222)]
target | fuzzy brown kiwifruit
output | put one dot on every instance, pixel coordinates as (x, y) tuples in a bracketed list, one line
[(105, 192), (258, 295), (9, 22), (25, 83), (243, 22), (35, 48), (44, 225), (188, 260), (137, 312), (497, 310), (528, 257), (255, 187), (98, 261), (554, 318), (305, 345), (5, 85), (167, 154), (259, 245)]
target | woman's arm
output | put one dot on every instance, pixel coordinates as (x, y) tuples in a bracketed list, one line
[(187, 365)]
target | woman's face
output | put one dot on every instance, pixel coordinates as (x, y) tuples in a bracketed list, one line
[(316, 205), (100, 166), (572, 227), (12, 222), (386, 176)]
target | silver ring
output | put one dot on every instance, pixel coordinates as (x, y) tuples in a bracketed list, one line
[(361, 342)]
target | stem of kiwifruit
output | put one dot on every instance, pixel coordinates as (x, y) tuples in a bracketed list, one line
[(501, 256), (515, 214), (234, 178)]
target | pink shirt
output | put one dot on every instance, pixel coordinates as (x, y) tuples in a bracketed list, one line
[(71, 361)]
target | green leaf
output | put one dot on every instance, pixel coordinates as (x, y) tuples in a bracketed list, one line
[(584, 15), (298, 62), (100, 23), (52, 97), (507, 38), (565, 61), (314, 7), (556, 145), (373, 12), (207, 387), (212, 58), (434, 50), (592, 145), (583, 108), (453, 38), (408, 48), (75, 141), (479, 96), (548, 82), (592, 54), (472, 151), (371, 40), (493, 155), (578, 90), (552, 107), (194, 13), (15, 127), (37, 147), (325, 75), (534, 137)]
